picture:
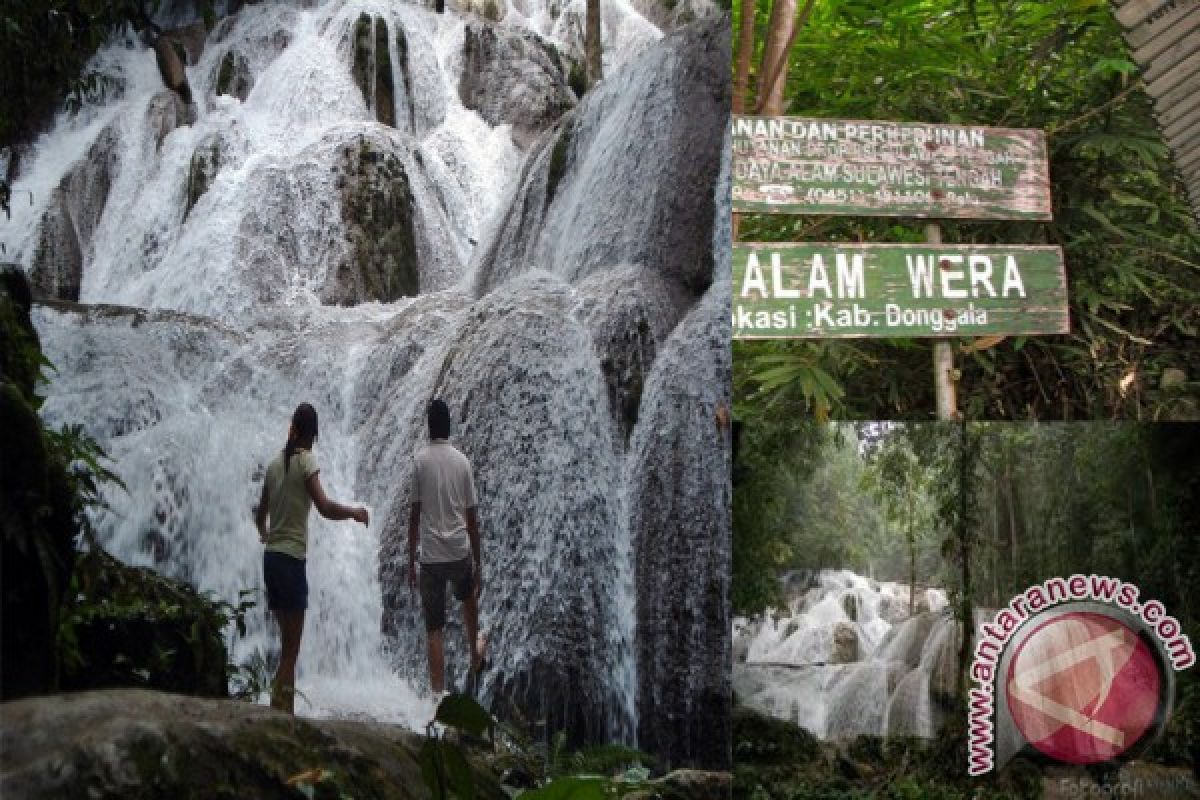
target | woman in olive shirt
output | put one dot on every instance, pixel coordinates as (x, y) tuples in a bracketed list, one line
[(292, 486)]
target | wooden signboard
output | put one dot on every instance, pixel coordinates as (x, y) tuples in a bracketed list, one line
[(896, 290), (796, 165), (1164, 38)]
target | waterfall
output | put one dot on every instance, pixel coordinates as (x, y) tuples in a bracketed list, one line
[(846, 658), (337, 219)]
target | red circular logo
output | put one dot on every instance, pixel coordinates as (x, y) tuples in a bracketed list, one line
[(1083, 688)]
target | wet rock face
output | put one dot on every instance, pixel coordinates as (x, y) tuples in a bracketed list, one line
[(191, 38), (71, 219), (527, 402), (372, 67), (378, 209), (170, 56), (680, 518), (233, 75), (513, 77), (205, 163), (672, 14), (165, 113), (629, 313), (136, 745), (850, 606), (632, 181), (845, 644)]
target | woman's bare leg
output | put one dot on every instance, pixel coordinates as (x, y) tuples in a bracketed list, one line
[(283, 690)]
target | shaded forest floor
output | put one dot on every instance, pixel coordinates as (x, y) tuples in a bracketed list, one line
[(775, 760)]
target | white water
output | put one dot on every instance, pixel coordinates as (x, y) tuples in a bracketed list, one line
[(847, 658), (191, 405)]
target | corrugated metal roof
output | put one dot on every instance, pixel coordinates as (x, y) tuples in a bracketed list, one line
[(1164, 37)]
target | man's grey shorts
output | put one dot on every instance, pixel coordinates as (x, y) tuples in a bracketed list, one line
[(433, 588)]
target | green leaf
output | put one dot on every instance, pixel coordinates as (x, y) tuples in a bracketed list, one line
[(432, 771), (461, 712), (458, 770), (580, 787)]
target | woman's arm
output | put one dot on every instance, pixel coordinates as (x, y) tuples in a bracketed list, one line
[(260, 515), (328, 508)]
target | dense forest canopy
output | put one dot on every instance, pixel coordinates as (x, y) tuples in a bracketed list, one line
[(1120, 211), (1044, 500)]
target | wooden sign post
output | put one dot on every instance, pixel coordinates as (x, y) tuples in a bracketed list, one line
[(826, 290), (799, 165), (795, 165)]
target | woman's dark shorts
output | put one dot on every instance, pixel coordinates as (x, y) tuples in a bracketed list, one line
[(287, 584), (433, 589)]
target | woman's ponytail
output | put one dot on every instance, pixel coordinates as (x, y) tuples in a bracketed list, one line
[(304, 432)]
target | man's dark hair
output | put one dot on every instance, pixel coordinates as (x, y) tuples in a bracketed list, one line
[(439, 420)]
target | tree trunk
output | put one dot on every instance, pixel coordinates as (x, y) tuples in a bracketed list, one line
[(741, 73), (912, 572), (439, 6), (593, 52), (1010, 484), (772, 74), (964, 549), (772, 77)]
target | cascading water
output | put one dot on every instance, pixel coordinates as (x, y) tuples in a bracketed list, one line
[(333, 221), (848, 658)]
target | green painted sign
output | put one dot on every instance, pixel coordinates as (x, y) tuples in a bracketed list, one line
[(896, 290), (797, 165)]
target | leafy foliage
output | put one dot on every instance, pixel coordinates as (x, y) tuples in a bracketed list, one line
[(125, 626), (1120, 212), (535, 771)]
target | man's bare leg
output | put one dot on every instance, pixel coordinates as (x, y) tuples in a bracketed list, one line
[(471, 618), (437, 662)]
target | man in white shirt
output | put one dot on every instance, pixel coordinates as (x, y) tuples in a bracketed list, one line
[(443, 517)]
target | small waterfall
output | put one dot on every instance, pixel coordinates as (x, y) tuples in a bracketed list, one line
[(316, 228), (845, 658)]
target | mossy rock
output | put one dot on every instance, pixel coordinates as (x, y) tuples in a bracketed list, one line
[(558, 161), (385, 91), (363, 51), (202, 170), (138, 745), (233, 76), (379, 208)]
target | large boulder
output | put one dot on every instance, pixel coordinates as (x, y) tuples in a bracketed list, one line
[(138, 745), (513, 76), (71, 218)]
